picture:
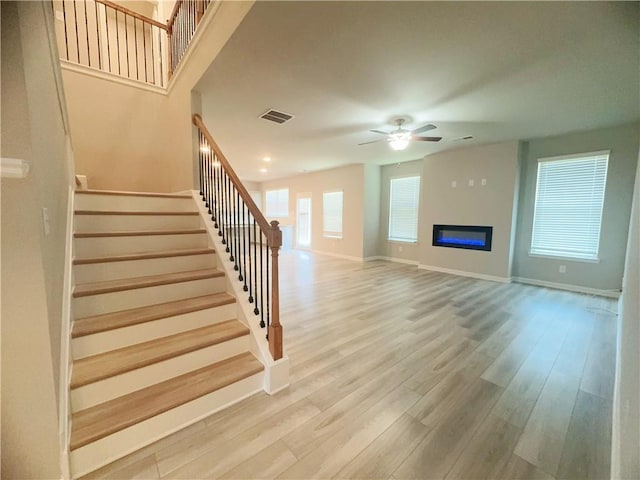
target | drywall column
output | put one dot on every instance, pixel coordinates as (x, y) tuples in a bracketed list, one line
[(625, 461), (371, 215)]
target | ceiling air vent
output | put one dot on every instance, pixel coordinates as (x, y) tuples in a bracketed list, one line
[(276, 116)]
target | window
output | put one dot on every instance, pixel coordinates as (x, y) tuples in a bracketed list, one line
[(568, 205), (277, 203), (332, 214), (403, 209), (257, 198)]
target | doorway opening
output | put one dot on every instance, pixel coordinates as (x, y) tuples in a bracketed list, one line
[(303, 222)]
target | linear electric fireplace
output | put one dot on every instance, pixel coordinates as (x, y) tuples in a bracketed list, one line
[(462, 236)]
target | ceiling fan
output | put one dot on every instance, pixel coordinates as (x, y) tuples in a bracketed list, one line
[(399, 138)]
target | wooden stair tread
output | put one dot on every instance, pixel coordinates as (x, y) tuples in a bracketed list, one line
[(140, 233), (144, 256), (125, 318), (132, 212), (96, 288), (110, 417), (133, 194), (104, 365)]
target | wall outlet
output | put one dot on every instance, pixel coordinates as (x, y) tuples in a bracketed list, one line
[(400, 248), (454, 184), (483, 182), (562, 269), (471, 182)]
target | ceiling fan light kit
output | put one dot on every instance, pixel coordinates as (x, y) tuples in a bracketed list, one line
[(399, 139)]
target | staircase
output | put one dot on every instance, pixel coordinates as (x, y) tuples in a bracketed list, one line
[(156, 340)]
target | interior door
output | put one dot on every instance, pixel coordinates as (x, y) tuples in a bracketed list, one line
[(303, 222)]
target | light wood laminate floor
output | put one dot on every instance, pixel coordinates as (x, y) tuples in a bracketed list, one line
[(404, 373)]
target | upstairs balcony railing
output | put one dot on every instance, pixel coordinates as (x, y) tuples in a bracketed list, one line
[(110, 37), (250, 241), (181, 27)]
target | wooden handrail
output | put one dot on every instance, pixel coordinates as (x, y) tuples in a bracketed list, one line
[(270, 230), (126, 11), (253, 208), (174, 14)]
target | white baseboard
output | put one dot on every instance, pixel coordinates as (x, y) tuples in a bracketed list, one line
[(338, 255), (566, 286), (462, 273), (391, 259)]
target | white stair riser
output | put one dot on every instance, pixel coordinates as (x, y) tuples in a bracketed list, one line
[(97, 454), (132, 203), (143, 332), (128, 223), (99, 272), (110, 388), (103, 246), (140, 297)]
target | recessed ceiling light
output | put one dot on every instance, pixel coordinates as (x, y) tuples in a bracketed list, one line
[(266, 159), (263, 170)]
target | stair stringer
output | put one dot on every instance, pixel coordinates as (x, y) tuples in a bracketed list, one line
[(276, 374)]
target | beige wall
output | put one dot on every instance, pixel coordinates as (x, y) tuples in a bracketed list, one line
[(350, 180), (388, 248), (607, 273), (625, 460), (134, 139), (32, 262), (489, 205)]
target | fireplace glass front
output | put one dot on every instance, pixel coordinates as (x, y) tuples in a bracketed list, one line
[(463, 236)]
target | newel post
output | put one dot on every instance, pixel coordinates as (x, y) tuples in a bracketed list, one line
[(275, 329)]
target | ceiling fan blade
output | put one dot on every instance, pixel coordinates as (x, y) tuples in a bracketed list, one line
[(426, 139), (424, 128), (374, 141), (380, 132)]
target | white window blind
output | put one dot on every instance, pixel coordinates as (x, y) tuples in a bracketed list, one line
[(568, 206), (403, 209), (332, 214), (277, 203)]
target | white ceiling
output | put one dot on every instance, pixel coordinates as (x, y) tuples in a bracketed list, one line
[(497, 71)]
